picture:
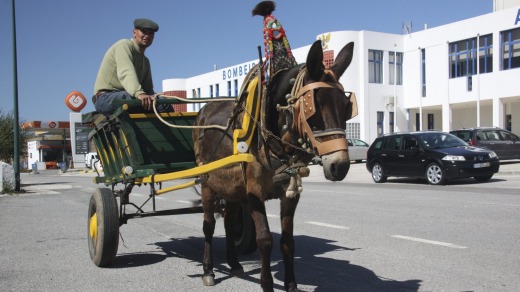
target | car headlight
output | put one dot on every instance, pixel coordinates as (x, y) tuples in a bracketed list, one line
[(492, 154), (453, 158)]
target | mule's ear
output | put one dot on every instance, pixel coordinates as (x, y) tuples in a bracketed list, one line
[(343, 60), (315, 65)]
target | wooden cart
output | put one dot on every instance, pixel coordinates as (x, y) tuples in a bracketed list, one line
[(137, 148)]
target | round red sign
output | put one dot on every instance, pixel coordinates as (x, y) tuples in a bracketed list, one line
[(75, 101)]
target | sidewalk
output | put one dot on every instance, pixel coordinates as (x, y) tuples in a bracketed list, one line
[(358, 172)]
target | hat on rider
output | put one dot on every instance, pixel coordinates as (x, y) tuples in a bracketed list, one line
[(146, 24)]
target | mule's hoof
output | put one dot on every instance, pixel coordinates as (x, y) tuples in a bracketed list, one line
[(238, 272), (208, 280)]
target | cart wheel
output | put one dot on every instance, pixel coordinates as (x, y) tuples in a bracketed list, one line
[(245, 232), (103, 227)]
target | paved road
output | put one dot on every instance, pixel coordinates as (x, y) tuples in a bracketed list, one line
[(353, 235)]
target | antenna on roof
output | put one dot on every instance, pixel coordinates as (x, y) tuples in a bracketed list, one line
[(407, 27)]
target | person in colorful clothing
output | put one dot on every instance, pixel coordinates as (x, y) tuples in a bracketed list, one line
[(125, 71)]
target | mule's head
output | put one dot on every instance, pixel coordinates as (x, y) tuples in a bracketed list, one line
[(326, 107)]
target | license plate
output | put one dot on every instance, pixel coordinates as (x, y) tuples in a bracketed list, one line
[(480, 165)]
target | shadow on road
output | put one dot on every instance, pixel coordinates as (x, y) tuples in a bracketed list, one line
[(313, 267)]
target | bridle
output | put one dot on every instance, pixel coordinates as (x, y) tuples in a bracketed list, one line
[(304, 107)]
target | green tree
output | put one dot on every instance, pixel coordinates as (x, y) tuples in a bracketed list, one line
[(7, 138)]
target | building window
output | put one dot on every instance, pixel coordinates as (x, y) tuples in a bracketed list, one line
[(375, 66), (328, 58), (391, 122), (229, 88), (217, 94), (510, 41), (418, 122), (211, 91), (353, 130), (485, 53), (380, 121), (396, 67), (236, 87), (431, 124), (423, 72), (463, 56)]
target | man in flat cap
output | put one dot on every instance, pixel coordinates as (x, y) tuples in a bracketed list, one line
[(125, 71)]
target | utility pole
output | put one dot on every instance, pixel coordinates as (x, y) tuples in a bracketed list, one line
[(16, 126)]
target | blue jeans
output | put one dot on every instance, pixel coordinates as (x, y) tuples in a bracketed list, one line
[(104, 104)]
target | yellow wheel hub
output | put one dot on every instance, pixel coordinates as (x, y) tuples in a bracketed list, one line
[(93, 226)]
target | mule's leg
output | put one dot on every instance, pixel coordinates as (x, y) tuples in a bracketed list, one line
[(230, 221), (287, 210), (264, 241), (208, 204)]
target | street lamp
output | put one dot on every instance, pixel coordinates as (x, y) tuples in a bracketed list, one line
[(16, 126)]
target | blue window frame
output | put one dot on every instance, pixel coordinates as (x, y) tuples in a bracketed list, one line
[(423, 72), (375, 66), (485, 53), (211, 91), (510, 42), (463, 56), (391, 116), (393, 62), (380, 123), (229, 88), (217, 93), (236, 87)]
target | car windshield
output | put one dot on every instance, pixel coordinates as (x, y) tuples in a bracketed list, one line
[(440, 140)]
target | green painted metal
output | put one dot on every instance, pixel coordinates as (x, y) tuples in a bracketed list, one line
[(141, 141)]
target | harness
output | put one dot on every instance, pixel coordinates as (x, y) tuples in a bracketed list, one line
[(304, 107)]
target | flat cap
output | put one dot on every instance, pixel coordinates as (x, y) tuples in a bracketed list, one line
[(146, 23)]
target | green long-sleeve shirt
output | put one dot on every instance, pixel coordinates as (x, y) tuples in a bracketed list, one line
[(125, 68)]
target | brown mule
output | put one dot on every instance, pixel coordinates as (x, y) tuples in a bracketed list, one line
[(286, 119)]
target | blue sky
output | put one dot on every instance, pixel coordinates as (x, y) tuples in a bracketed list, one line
[(60, 43)]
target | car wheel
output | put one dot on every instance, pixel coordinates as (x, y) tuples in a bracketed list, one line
[(435, 174), (378, 173), (483, 178)]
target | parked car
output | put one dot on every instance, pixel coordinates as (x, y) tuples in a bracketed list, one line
[(90, 159), (505, 144), (433, 155), (357, 150)]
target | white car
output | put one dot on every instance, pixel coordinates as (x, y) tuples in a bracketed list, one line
[(90, 159), (357, 150)]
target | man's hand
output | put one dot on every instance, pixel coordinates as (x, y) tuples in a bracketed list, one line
[(147, 100)]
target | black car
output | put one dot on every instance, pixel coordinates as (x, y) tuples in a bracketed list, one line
[(436, 156), (505, 144)]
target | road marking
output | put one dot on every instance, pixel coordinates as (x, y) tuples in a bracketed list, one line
[(497, 204), (141, 195), (446, 244), (327, 225), (272, 216)]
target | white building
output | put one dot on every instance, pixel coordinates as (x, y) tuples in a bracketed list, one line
[(438, 84)]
